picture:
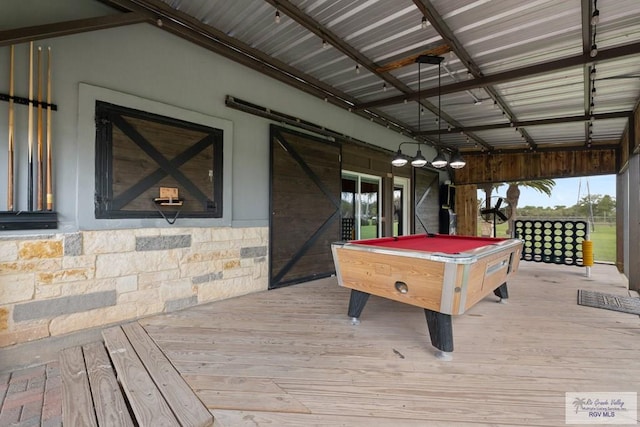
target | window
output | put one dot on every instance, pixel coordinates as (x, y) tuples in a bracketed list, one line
[(137, 153)]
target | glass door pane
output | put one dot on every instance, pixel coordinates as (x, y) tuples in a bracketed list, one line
[(348, 207), (369, 211), (360, 206), (400, 206)]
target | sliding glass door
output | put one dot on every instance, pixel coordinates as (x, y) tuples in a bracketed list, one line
[(361, 206), (401, 193)]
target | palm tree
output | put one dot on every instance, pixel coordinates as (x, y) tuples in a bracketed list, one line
[(513, 195)]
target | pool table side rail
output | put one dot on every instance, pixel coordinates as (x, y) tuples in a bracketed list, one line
[(467, 257)]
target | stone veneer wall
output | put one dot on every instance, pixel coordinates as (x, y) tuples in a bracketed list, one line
[(56, 284)]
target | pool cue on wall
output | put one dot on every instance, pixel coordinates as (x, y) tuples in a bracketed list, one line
[(10, 188), (49, 162), (30, 132), (39, 165)]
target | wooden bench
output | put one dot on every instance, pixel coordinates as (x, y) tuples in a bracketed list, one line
[(126, 381)]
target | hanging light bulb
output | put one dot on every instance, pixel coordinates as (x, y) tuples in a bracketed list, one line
[(439, 161), (457, 162), (595, 16), (277, 17), (357, 68), (384, 87), (424, 23), (594, 50), (325, 45), (419, 160), (399, 160)]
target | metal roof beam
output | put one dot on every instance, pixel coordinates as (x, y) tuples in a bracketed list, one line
[(527, 123), (505, 76), (609, 145), (59, 29)]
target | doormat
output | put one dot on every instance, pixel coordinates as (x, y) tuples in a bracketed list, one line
[(610, 302)]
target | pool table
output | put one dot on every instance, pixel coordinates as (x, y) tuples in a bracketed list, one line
[(443, 274)]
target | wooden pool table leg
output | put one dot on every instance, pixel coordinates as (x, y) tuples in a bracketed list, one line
[(441, 333), (357, 301), (502, 292)]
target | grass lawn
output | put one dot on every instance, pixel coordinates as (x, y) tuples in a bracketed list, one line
[(604, 242)]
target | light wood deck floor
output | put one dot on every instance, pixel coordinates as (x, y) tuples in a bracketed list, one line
[(290, 357)]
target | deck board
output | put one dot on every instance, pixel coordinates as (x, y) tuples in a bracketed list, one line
[(183, 403), (146, 402), (109, 404), (76, 391), (290, 356)]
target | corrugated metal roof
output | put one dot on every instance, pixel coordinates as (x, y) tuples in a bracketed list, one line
[(491, 37)]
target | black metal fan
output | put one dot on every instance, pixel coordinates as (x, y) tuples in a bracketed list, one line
[(498, 213)]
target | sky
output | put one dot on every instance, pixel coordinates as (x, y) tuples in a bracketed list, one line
[(565, 191)]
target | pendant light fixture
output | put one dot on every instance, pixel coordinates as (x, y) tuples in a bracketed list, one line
[(440, 161), (457, 162)]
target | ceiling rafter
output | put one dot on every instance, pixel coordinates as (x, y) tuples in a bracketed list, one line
[(528, 123), (561, 147), (510, 75), (59, 29)]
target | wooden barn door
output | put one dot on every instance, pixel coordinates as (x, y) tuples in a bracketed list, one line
[(427, 201), (304, 207)]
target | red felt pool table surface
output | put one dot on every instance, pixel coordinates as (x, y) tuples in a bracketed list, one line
[(444, 243)]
